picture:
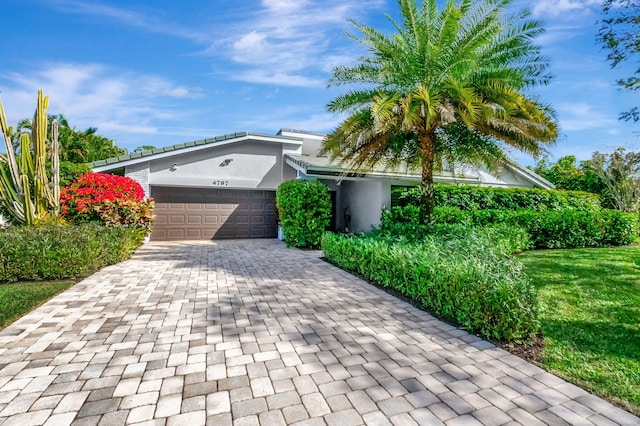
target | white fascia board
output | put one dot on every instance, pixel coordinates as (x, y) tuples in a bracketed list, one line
[(257, 138), (302, 134), (333, 174), (396, 176), (295, 165), (530, 177)]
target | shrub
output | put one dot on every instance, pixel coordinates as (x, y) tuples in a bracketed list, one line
[(63, 251), (70, 172), (466, 197), (108, 199), (573, 228), (128, 213), (567, 228), (304, 210), (459, 273)]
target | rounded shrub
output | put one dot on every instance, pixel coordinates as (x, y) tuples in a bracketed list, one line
[(108, 199), (304, 210)]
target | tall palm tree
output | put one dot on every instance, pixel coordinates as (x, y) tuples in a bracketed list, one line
[(449, 82)]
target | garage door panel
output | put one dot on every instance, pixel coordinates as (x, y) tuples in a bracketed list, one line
[(198, 213), (211, 220), (194, 220), (241, 219), (176, 219)]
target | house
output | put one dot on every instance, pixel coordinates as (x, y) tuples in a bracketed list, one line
[(224, 187)]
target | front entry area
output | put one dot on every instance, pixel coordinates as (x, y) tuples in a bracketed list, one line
[(204, 214)]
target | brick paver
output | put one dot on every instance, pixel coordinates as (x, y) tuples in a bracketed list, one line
[(253, 332)]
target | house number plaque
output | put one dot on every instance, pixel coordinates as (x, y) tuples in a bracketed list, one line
[(220, 183)]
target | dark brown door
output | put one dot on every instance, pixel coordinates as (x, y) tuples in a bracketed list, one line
[(204, 214)]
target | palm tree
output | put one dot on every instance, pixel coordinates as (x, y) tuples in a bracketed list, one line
[(449, 82)]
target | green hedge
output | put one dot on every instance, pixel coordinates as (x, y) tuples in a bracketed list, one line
[(568, 228), (63, 251), (460, 274), (466, 197), (304, 211), (574, 228)]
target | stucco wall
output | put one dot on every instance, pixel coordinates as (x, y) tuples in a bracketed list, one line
[(289, 173), (364, 201), (241, 165)]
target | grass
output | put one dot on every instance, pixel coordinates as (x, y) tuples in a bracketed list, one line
[(590, 317), (20, 298)]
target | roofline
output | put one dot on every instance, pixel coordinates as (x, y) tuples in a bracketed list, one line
[(318, 171), (315, 135), (183, 148), (530, 175)]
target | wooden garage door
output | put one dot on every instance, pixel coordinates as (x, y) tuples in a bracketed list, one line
[(203, 214)]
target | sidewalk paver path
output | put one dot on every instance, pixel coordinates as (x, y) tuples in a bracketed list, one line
[(250, 332)]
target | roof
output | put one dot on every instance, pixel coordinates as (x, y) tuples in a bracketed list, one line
[(316, 165), (530, 174), (218, 140), (323, 166), (464, 173)]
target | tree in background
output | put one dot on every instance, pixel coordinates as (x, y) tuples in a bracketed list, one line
[(77, 148), (620, 34), (467, 67), (566, 174), (620, 173), (614, 176), (143, 148)]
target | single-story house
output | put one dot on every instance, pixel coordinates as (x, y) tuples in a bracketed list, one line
[(224, 187)]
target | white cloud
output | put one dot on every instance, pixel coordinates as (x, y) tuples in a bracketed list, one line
[(289, 42), (149, 20), (293, 38), (278, 78), (95, 95), (582, 116), (553, 8), (294, 117), (284, 5)]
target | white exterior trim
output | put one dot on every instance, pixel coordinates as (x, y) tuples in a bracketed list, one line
[(186, 150)]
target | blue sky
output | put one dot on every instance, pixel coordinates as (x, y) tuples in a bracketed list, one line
[(165, 72)]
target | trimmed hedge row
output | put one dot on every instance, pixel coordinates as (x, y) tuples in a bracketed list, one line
[(547, 229), (467, 197), (62, 251), (460, 274)]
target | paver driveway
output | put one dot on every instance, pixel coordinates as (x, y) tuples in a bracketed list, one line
[(252, 332)]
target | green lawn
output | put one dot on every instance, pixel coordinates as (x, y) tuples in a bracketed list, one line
[(590, 316), (18, 299)]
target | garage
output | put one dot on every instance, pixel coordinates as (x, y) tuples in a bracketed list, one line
[(203, 214)]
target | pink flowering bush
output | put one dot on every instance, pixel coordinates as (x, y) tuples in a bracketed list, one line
[(110, 199)]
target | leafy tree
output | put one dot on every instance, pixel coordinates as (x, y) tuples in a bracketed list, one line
[(567, 174), (448, 82), (620, 34), (620, 173), (77, 148)]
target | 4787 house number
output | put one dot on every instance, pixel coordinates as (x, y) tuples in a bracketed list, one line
[(220, 183)]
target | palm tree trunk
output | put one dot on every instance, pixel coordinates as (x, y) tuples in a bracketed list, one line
[(427, 152)]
